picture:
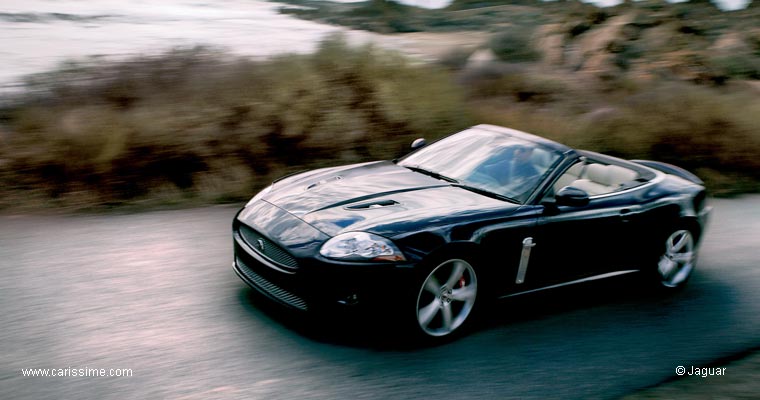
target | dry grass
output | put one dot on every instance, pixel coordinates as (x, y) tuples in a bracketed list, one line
[(199, 126), (196, 126)]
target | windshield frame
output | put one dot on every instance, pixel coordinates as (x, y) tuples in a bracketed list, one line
[(495, 144)]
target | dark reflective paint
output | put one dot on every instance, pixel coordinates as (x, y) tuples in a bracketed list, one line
[(300, 238), (335, 187), (414, 211), (424, 215)]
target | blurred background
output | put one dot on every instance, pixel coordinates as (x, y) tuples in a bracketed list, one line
[(106, 103), (158, 111)]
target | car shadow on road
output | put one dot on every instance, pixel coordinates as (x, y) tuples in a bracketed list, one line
[(601, 299)]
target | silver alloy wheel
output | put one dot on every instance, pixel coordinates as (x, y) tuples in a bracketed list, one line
[(676, 264), (447, 297)]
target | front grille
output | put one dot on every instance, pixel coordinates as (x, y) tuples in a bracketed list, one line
[(270, 288), (267, 248)]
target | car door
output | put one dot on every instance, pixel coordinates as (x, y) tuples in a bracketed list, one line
[(503, 247), (573, 243), (576, 242)]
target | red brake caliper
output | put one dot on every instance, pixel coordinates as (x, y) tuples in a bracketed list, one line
[(461, 282)]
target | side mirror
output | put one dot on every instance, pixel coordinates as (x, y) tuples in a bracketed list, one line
[(571, 196), (417, 143)]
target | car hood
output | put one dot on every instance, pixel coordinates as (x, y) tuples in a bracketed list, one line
[(379, 197)]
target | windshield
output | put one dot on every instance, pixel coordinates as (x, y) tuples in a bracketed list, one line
[(493, 162)]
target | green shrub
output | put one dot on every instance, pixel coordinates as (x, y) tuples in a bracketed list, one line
[(455, 59), (199, 124), (514, 45), (515, 82), (625, 53), (744, 66)]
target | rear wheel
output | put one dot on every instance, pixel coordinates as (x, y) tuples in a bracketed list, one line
[(678, 259), (446, 298)]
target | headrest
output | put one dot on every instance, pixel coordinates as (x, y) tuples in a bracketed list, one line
[(619, 175), (598, 173)]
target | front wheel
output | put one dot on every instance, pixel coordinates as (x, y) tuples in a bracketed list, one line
[(678, 260), (446, 298)]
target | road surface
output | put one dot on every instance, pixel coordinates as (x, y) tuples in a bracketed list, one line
[(154, 293)]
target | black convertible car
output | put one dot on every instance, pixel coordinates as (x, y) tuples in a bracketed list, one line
[(485, 213)]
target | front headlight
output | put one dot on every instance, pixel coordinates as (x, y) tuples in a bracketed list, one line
[(259, 195), (361, 246)]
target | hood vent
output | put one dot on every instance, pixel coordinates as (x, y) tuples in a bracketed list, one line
[(323, 181), (372, 204)]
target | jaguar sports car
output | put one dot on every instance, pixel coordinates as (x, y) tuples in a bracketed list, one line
[(482, 214)]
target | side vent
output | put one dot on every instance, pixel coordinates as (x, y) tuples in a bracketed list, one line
[(372, 204)]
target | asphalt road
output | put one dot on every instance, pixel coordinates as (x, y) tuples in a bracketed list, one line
[(154, 293)]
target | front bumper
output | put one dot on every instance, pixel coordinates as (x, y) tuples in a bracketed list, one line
[(317, 282)]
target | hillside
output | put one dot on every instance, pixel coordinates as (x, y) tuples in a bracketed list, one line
[(678, 83), (693, 41)]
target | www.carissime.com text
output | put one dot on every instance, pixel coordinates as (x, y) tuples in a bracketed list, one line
[(76, 372)]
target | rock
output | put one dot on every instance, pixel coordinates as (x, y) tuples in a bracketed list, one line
[(597, 40), (590, 52), (730, 43), (480, 58), (551, 44)]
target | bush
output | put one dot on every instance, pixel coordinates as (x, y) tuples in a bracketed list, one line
[(455, 59), (743, 66), (625, 53), (182, 124), (515, 82), (514, 45)]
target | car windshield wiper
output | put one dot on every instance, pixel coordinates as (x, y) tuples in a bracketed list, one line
[(487, 193), (433, 174), (463, 186)]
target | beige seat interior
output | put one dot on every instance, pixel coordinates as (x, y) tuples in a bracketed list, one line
[(596, 179), (573, 173)]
